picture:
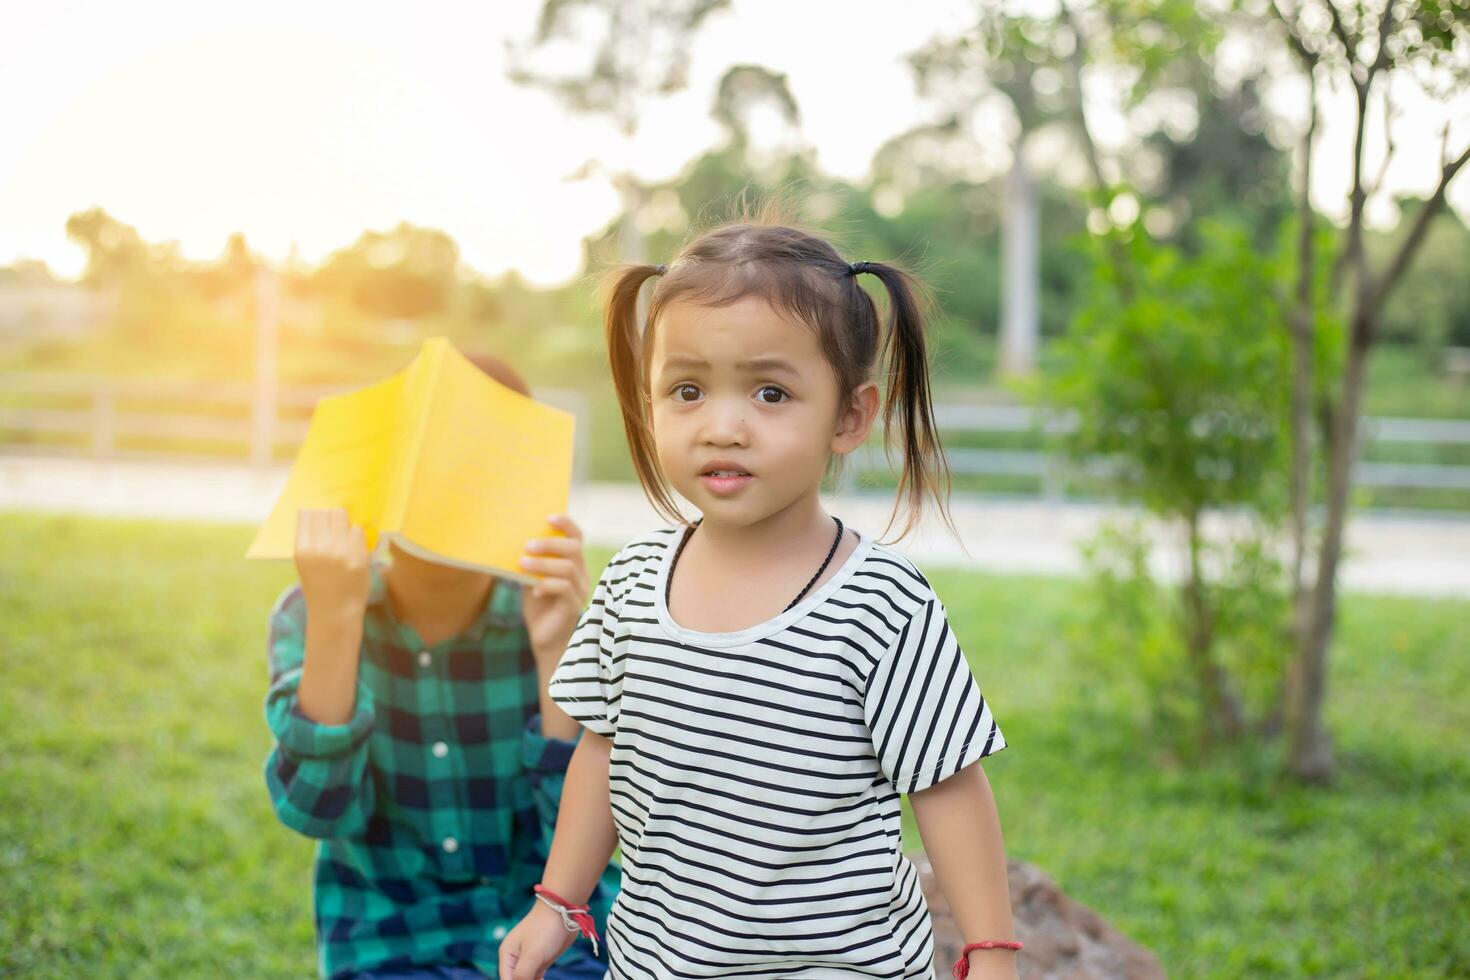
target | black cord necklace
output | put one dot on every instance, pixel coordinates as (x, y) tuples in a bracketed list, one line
[(669, 583)]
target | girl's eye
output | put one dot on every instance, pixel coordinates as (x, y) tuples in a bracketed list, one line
[(680, 390), (780, 395)]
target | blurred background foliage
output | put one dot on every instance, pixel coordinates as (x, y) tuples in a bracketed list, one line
[(1140, 285), (1166, 261), (367, 306)]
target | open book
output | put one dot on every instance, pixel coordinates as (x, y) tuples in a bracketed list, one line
[(440, 459)]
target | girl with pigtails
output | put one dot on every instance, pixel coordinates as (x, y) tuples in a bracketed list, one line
[(759, 685)]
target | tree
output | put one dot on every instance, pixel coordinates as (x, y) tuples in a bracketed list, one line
[(1377, 50), (1036, 60), (743, 93), (748, 162), (1151, 374), (637, 52), (403, 274), (1431, 307), (145, 283), (115, 251), (998, 56), (1224, 167)]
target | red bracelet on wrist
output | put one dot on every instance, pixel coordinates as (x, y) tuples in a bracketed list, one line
[(574, 917), (962, 965)]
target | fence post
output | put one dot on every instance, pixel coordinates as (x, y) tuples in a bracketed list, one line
[(1050, 478), (263, 406), (582, 448), (1054, 465), (104, 420)]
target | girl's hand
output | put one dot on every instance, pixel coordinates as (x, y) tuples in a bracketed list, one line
[(534, 944), (553, 606), (332, 561)]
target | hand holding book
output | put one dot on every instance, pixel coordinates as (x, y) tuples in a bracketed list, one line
[(554, 605), (439, 458)]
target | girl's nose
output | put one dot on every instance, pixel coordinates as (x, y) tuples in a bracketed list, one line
[(724, 424)]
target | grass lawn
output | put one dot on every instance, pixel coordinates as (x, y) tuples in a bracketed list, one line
[(137, 840)]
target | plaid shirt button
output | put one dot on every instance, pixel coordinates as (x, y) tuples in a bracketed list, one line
[(424, 658), (440, 750), (450, 845)]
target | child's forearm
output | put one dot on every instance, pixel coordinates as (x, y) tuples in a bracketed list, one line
[(328, 690), (960, 827), (585, 836)]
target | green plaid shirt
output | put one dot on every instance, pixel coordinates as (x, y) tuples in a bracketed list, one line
[(435, 803)]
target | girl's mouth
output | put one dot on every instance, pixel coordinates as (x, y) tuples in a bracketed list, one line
[(725, 482)]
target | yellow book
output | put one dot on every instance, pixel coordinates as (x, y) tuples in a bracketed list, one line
[(440, 459)]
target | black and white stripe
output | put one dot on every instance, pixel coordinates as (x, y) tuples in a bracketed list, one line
[(755, 776)]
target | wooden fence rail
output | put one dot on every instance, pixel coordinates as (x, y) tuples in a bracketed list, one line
[(178, 417)]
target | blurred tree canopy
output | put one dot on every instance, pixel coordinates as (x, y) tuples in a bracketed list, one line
[(1151, 378), (1195, 148), (407, 273), (943, 221)]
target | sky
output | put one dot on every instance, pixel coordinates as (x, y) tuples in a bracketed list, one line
[(304, 124)]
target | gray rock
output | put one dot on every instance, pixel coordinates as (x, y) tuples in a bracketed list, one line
[(1064, 940)]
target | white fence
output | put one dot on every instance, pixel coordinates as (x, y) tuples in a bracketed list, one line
[(1050, 471), (110, 417)]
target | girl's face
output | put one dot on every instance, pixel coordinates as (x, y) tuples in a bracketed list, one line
[(745, 408)]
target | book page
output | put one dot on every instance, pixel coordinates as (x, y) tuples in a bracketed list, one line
[(492, 464), (420, 379), (345, 461)]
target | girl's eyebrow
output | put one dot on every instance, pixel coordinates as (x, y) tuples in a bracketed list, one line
[(768, 364)]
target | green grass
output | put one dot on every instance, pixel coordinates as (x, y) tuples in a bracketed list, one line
[(136, 838)]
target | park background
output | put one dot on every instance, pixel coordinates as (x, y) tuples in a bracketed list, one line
[(1177, 290)]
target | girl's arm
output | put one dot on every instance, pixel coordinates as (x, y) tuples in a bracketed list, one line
[(961, 831), (580, 849), (585, 835)]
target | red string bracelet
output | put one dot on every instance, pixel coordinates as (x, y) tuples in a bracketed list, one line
[(962, 965), (574, 917)]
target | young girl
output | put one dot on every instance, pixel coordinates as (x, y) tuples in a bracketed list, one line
[(759, 686)]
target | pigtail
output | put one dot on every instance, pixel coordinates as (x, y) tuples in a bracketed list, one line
[(626, 357), (925, 468)]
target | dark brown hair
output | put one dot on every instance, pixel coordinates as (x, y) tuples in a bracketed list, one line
[(800, 273), (500, 371)]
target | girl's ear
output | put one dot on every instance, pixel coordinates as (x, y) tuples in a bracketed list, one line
[(856, 420)]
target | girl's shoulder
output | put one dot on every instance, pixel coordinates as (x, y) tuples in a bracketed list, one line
[(644, 550), (898, 577), (904, 588), (651, 544)]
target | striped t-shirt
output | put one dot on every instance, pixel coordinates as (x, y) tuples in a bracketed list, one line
[(755, 775)]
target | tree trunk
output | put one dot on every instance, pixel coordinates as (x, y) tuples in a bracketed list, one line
[(1224, 717), (1302, 331), (1310, 750), (1310, 753), (1310, 742), (630, 236), (1020, 324), (1122, 265)]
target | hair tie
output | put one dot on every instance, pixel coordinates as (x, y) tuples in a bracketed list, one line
[(659, 270), (857, 268)]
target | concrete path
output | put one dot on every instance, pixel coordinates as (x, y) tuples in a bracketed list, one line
[(1415, 554)]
